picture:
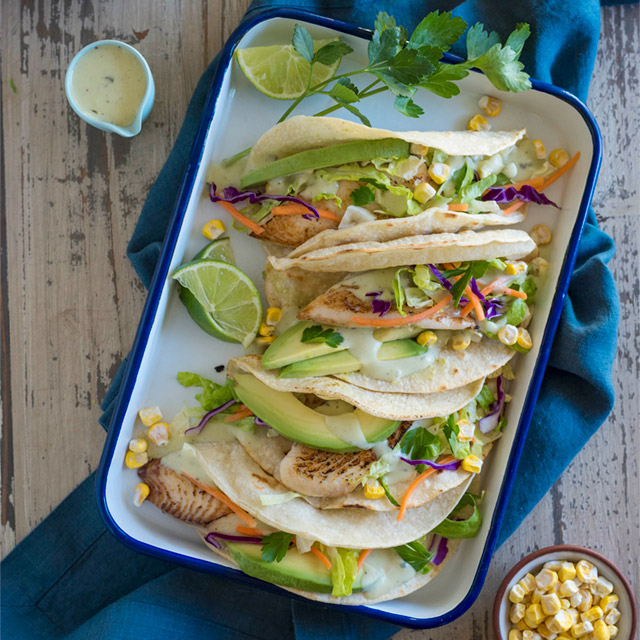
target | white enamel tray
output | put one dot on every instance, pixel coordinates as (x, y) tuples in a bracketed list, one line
[(168, 341)]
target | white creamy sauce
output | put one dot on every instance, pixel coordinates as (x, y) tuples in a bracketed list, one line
[(371, 282), (398, 469), (355, 215), (185, 461), (109, 83), (346, 426), (383, 571)]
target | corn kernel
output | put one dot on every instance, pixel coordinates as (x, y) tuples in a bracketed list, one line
[(536, 596), (439, 172), (541, 152), (136, 460), (473, 464), (562, 621), (564, 603), (424, 192), (427, 338), (508, 334), (533, 615), (465, 431), (602, 586), (530, 635), (558, 158), (522, 625), (528, 583), (140, 494), (138, 445), (150, 415), (609, 602), (600, 631), (576, 599), (613, 630), (517, 612), (266, 329), (575, 616), (515, 268), (581, 629), (587, 600), (545, 632), (567, 571), (213, 229), (596, 596), (593, 614), (460, 342), (490, 105), (273, 316), (514, 634), (586, 572), (265, 339), (612, 617), (552, 565), (159, 434), (478, 123), (373, 490), (550, 603), (568, 588), (524, 339), (540, 234), (563, 637)]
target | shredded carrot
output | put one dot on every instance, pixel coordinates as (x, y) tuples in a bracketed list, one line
[(212, 491), (398, 322), (318, 554), (475, 301), (536, 183), (362, 557), (513, 207), (415, 484), (560, 172), (249, 531), (241, 218), (453, 206), (514, 293), (498, 282), (298, 209), (245, 412)]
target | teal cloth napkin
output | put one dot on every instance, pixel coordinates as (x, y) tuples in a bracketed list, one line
[(71, 579)]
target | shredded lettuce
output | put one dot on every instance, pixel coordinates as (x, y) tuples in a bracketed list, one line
[(278, 498), (344, 568), (212, 394), (468, 528), (423, 278), (398, 289), (517, 312), (459, 450), (485, 398)]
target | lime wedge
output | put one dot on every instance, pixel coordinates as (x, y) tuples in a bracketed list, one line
[(221, 299), (220, 249), (281, 73)]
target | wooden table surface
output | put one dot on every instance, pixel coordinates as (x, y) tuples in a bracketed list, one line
[(70, 301)]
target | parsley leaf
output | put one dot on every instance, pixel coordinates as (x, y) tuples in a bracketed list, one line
[(459, 450), (384, 45), (438, 30), (417, 555), (384, 21), (408, 107), (404, 69), (331, 52), (420, 444), (340, 92), (361, 196), (303, 42), (356, 112), (518, 37), (275, 546), (317, 334), (480, 41), (212, 394), (474, 269), (442, 80)]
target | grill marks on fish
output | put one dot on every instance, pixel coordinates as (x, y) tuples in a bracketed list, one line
[(322, 474), (292, 231), (179, 497)]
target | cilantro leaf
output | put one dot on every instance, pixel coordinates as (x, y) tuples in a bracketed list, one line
[(390, 497), (356, 112), (408, 107), (480, 41), (460, 450), (375, 183), (317, 334), (303, 42), (485, 398), (458, 288), (417, 555), (275, 546), (361, 196), (455, 529), (502, 67), (438, 30), (476, 189), (212, 394), (518, 37), (404, 69), (331, 52), (347, 83), (442, 80), (341, 92), (420, 444), (383, 45), (384, 21)]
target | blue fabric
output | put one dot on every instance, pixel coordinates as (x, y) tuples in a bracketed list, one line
[(71, 579)]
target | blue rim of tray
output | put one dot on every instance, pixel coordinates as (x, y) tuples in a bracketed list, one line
[(155, 291)]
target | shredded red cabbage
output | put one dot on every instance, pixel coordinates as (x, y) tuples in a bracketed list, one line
[(381, 307), (444, 282), (493, 308), (374, 294), (233, 196), (212, 537), (492, 419), (474, 287), (207, 416), (261, 423), (526, 193), (449, 466), (441, 553)]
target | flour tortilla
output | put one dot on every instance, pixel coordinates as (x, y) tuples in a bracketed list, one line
[(243, 481), (429, 249), (392, 406), (304, 132)]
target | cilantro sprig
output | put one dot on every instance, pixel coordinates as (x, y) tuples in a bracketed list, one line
[(317, 334), (275, 546), (417, 555)]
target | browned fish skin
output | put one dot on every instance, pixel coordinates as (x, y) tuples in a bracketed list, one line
[(292, 231), (179, 497)]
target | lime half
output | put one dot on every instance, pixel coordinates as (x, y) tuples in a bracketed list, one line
[(221, 299), (219, 249), (281, 73)]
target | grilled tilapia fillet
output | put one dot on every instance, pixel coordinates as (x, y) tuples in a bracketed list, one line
[(339, 305), (322, 474), (292, 231), (179, 497)]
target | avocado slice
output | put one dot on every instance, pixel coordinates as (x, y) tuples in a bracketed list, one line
[(294, 420), (338, 154), (296, 570), (396, 333), (344, 362), (288, 347)]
